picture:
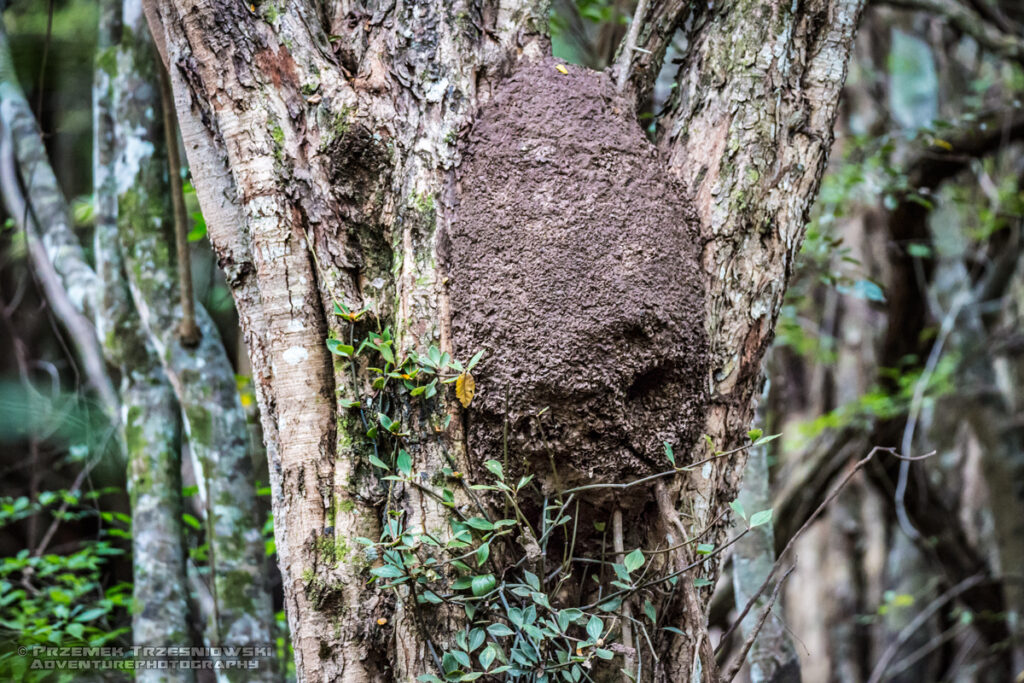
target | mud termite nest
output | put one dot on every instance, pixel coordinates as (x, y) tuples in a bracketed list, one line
[(573, 260)]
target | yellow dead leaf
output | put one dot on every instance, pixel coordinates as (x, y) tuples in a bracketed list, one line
[(561, 69), (465, 388), (938, 142)]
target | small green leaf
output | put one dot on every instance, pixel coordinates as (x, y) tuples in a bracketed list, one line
[(377, 462), (482, 553), (670, 454), (701, 582), (388, 571), (474, 360), (500, 630), (480, 523), (705, 548), (759, 518), (766, 439), (483, 584), (337, 348), (737, 507), (755, 434), (634, 560), (488, 655), (404, 462), (595, 627), (649, 611), (494, 467)]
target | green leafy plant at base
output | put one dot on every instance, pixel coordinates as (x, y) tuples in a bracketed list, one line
[(58, 598), (498, 569)]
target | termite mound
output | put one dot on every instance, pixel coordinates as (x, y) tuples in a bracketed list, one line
[(573, 262)]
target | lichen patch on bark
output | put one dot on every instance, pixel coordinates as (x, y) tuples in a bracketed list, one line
[(573, 260)]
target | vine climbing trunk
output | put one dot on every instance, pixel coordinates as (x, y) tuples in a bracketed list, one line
[(335, 151)]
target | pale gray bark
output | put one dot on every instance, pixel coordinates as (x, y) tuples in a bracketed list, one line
[(772, 657), (150, 418), (202, 376), (147, 414)]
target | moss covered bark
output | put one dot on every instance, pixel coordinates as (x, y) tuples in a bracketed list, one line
[(202, 376), (150, 414)]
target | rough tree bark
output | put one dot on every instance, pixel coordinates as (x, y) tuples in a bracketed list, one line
[(323, 140)]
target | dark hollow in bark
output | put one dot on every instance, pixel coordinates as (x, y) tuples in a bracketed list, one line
[(573, 261)]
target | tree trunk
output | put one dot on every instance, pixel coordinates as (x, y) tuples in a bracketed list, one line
[(324, 142)]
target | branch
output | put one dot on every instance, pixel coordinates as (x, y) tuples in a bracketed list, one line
[(737, 663), (34, 199), (629, 46), (806, 525), (643, 51), (187, 330), (970, 23), (924, 615)]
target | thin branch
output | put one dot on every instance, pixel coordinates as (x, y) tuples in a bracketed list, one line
[(626, 56), (20, 206), (626, 610), (737, 663), (970, 23), (915, 410), (806, 525), (910, 629), (188, 331)]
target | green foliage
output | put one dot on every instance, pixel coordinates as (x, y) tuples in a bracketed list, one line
[(58, 598), (497, 568)]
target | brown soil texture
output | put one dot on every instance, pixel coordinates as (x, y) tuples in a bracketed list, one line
[(573, 261)]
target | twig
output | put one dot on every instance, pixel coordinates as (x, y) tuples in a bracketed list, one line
[(737, 663), (188, 331), (924, 615), (627, 612), (915, 410), (19, 205), (57, 518), (659, 475), (43, 60), (806, 525)]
